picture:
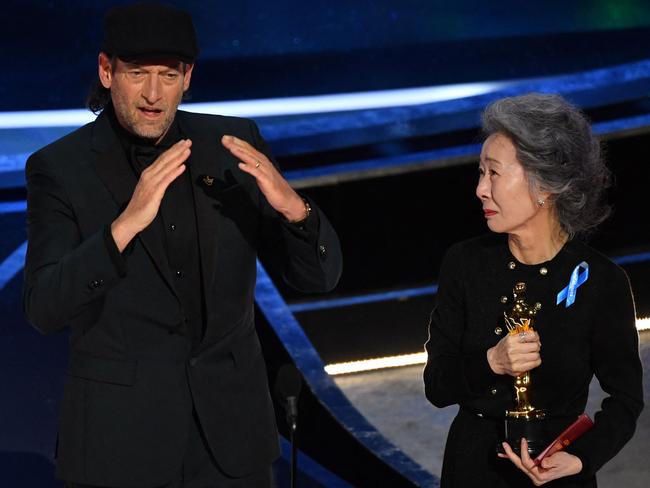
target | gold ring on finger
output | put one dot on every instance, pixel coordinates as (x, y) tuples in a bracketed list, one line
[(258, 164)]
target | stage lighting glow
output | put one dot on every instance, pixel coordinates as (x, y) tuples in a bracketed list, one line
[(273, 106), (45, 118), (377, 363), (643, 324), (345, 101), (13, 207), (364, 365)]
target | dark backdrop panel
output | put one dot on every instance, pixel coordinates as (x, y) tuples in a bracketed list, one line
[(253, 49)]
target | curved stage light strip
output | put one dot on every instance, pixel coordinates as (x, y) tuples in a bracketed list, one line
[(13, 207), (334, 131), (12, 265), (289, 331)]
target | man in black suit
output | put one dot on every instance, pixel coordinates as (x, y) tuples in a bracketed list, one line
[(144, 227)]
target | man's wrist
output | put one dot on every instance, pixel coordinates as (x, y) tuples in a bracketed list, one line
[(299, 212), (122, 234)]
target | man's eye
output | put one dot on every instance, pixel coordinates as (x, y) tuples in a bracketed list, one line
[(171, 76), (135, 74)]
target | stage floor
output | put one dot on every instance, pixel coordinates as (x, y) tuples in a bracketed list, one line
[(393, 401)]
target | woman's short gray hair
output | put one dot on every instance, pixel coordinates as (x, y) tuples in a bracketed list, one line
[(559, 153)]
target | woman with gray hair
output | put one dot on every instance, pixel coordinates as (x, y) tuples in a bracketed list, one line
[(541, 185)]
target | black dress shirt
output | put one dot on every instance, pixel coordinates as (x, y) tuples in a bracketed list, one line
[(177, 224)]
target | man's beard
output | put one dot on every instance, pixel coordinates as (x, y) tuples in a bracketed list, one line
[(132, 120)]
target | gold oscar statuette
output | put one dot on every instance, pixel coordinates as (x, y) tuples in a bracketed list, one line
[(523, 420)]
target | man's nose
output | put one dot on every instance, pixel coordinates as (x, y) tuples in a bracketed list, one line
[(151, 90)]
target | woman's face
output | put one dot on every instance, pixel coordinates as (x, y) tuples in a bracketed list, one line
[(503, 188)]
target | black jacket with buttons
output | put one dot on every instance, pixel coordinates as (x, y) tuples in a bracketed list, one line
[(133, 375), (595, 335)]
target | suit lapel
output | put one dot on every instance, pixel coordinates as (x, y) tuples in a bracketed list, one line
[(204, 176), (111, 164), (114, 170)]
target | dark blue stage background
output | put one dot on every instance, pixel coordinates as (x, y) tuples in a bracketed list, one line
[(255, 49), (396, 178)]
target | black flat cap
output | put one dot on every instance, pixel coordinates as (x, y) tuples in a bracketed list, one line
[(149, 30)]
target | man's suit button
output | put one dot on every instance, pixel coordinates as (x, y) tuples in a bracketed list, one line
[(179, 274), (193, 361), (322, 250), (94, 284)]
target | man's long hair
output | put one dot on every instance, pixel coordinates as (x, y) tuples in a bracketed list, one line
[(98, 97)]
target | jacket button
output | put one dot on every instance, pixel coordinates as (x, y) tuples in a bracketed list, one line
[(493, 391), (322, 250), (498, 330), (94, 284), (504, 299)]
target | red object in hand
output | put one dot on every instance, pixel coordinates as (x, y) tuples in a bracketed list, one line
[(582, 424)]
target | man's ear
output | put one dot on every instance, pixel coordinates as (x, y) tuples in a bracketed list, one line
[(105, 70), (187, 76)]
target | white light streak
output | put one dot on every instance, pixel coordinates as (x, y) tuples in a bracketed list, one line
[(345, 101), (273, 106), (377, 363), (643, 324)]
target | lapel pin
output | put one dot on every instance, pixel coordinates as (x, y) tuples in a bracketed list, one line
[(208, 180)]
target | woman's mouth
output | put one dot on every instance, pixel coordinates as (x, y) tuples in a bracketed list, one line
[(489, 213)]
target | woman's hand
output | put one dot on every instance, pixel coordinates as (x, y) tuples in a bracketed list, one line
[(558, 465), (515, 354)]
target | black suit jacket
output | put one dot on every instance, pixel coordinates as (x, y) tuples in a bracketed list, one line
[(132, 376)]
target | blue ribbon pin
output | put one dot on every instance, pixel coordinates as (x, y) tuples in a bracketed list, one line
[(577, 279)]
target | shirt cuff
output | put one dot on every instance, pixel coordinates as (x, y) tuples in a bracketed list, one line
[(116, 257), (307, 226)]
